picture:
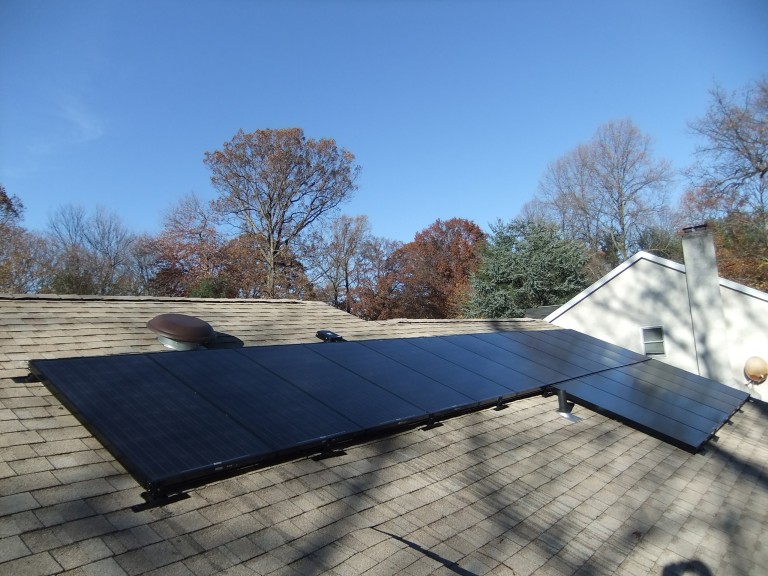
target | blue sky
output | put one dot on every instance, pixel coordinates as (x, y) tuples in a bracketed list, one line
[(452, 108)]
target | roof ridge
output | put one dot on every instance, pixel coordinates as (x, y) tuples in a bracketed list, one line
[(97, 297)]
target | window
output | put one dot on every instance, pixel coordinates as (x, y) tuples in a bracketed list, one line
[(653, 341)]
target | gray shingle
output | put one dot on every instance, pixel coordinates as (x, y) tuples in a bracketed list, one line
[(517, 489)]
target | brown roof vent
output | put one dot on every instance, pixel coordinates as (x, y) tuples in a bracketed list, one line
[(181, 332)]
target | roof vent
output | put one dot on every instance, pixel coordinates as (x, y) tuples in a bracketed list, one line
[(328, 336), (181, 332)]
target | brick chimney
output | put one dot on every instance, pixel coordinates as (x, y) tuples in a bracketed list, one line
[(706, 306)]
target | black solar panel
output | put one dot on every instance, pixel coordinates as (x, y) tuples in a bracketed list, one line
[(154, 425), (471, 385), (659, 398), (340, 390), (490, 352), (180, 419), (271, 407)]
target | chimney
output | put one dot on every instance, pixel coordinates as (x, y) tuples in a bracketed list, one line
[(706, 306)]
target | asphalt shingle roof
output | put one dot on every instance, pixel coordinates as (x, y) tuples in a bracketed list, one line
[(516, 491)]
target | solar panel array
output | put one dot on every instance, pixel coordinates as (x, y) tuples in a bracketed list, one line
[(179, 419)]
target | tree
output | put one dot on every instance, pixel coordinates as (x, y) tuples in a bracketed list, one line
[(430, 275), (23, 260), (526, 264), (371, 297), (733, 158), (274, 184), (245, 272), (188, 252), (728, 184), (337, 260), (22, 253), (10, 207), (90, 254), (606, 192)]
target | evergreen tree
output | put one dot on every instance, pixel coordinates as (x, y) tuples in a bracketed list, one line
[(526, 264)]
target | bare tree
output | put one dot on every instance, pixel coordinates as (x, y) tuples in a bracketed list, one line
[(728, 187), (22, 253), (336, 259), (10, 207), (733, 158), (606, 192), (374, 291), (23, 260), (274, 184), (90, 254), (188, 251)]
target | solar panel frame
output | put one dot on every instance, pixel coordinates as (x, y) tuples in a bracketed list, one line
[(690, 394), (235, 409), (577, 361), (572, 339), (589, 392), (673, 407), (495, 350)]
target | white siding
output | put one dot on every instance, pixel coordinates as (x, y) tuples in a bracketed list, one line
[(645, 294), (746, 315), (650, 291)]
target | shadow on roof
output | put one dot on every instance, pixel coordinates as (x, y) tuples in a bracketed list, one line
[(224, 340)]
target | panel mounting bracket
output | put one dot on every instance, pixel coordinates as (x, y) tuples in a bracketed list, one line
[(431, 423), (328, 451), (565, 407)]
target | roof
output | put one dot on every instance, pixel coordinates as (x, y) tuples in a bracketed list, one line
[(42, 327), (541, 312), (520, 490), (653, 259)]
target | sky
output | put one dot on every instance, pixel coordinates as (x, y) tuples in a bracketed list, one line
[(451, 108)]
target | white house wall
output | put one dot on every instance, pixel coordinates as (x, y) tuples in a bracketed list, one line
[(650, 291), (643, 295), (746, 316)]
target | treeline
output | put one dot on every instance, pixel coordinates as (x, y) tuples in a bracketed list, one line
[(272, 230)]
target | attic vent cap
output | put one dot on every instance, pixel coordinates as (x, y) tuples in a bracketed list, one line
[(180, 331)]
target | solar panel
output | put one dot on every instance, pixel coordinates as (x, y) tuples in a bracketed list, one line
[(660, 400), (541, 369), (148, 419), (476, 387), (271, 407), (367, 405), (179, 419)]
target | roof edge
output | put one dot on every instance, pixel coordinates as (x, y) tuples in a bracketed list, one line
[(620, 269), (97, 298), (455, 320), (624, 266)]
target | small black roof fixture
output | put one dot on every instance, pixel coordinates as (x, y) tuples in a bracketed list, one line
[(328, 336)]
